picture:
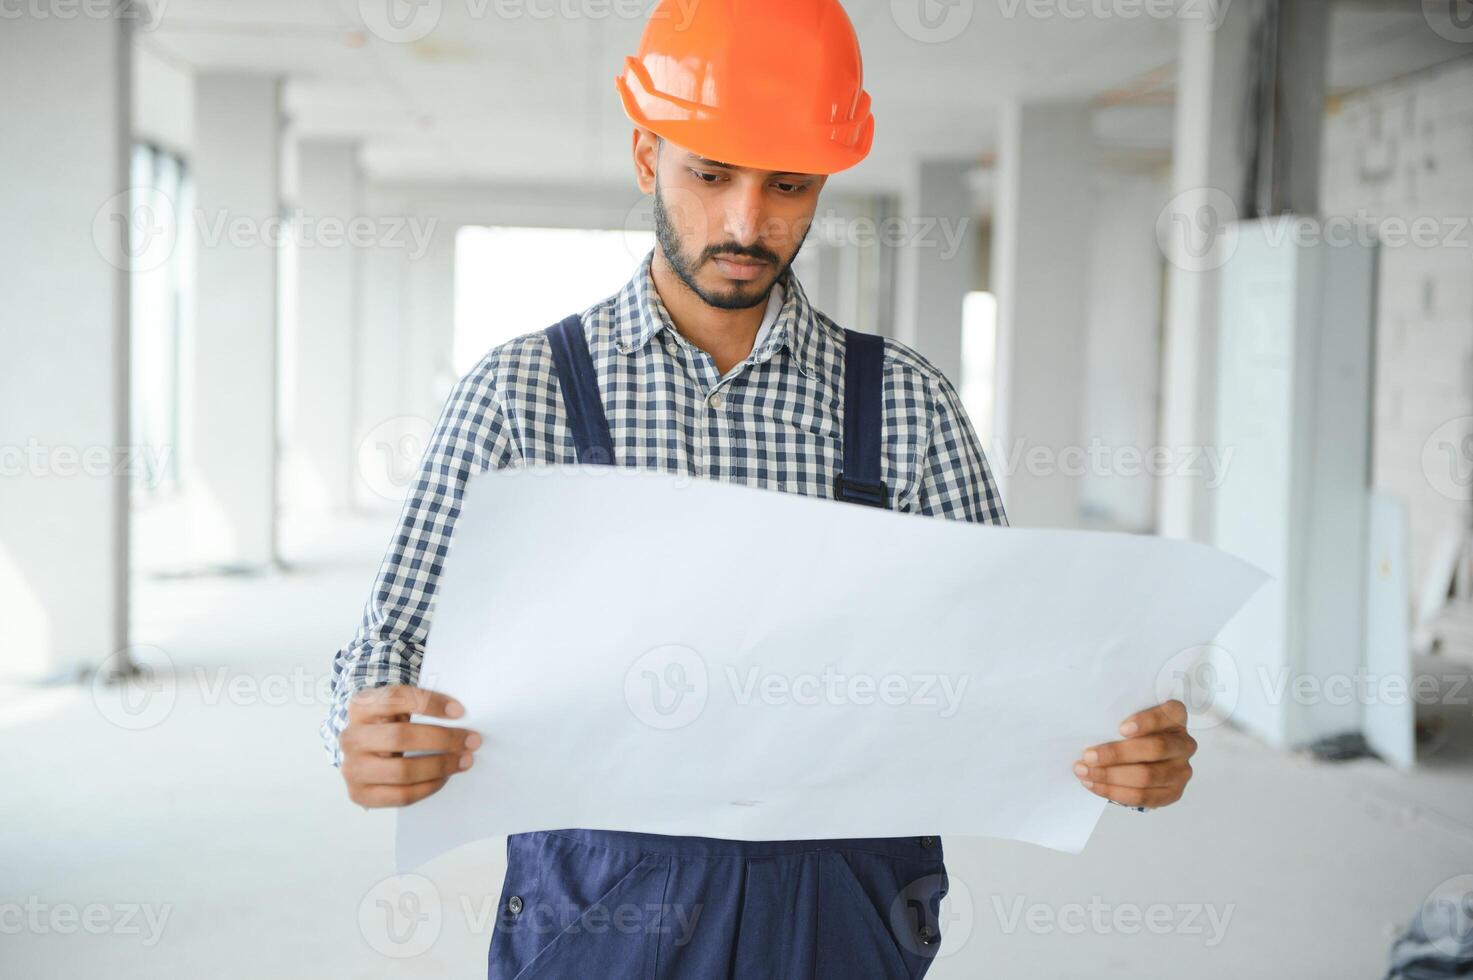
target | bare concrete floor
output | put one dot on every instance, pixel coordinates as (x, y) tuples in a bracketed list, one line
[(199, 832)]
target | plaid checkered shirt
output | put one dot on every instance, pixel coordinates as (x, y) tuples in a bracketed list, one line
[(775, 420)]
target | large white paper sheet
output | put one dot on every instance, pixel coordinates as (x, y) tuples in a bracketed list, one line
[(654, 653)]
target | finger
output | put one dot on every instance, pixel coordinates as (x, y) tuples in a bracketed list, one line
[(1131, 796), (1137, 776), (401, 700), (400, 736), (383, 770), (1142, 748), (374, 796), (1163, 717)]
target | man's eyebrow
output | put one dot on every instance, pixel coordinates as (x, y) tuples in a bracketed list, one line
[(703, 161)]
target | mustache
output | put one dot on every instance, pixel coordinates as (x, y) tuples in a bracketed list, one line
[(754, 252)]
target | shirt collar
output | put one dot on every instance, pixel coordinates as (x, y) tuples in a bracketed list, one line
[(642, 315)]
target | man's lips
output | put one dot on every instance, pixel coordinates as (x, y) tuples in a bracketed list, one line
[(739, 268)]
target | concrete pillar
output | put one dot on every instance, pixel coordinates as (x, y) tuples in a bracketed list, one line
[(388, 440), (1123, 367), (937, 261), (319, 435), (231, 458), (1041, 276), (65, 251), (1208, 194), (428, 370)]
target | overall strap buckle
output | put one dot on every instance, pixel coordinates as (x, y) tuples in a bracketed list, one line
[(855, 492)]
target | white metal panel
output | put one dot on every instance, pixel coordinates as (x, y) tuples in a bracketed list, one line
[(1255, 390), (1293, 397), (1390, 710)]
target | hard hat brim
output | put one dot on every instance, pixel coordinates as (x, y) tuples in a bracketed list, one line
[(818, 148)]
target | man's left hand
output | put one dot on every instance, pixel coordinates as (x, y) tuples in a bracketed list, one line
[(1150, 767)]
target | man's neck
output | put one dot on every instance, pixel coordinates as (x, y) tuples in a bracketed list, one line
[(727, 335)]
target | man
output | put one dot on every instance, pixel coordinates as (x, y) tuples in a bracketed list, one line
[(711, 361)]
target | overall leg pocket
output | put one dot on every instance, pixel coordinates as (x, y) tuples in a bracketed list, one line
[(878, 915), (574, 910)]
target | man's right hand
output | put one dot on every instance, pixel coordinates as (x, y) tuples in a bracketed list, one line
[(379, 732)]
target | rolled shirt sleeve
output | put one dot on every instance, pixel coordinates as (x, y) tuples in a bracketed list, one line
[(471, 436)]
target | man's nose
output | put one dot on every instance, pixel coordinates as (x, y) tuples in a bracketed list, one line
[(743, 215)]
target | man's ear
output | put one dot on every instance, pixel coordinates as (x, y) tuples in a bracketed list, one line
[(645, 147)]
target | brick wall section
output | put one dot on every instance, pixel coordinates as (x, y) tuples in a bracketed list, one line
[(1403, 151)]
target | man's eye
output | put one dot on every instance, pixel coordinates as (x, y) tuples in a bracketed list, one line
[(791, 188), (707, 178)]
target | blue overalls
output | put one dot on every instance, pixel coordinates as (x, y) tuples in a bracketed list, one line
[(606, 905)]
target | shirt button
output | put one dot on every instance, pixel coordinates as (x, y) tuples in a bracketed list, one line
[(514, 905), (715, 400)]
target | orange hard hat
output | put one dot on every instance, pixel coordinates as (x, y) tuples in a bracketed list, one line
[(767, 84)]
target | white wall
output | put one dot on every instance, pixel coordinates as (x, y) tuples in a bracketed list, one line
[(230, 431), (1041, 247)]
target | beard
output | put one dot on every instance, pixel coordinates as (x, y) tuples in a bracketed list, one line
[(684, 266)]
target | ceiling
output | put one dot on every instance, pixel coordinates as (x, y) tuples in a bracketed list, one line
[(522, 90)]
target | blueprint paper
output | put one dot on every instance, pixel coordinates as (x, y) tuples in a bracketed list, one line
[(656, 653)]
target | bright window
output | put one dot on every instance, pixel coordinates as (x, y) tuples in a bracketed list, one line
[(159, 295), (512, 281), (979, 362)]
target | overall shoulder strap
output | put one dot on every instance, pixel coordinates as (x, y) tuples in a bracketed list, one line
[(864, 379), (579, 384)]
